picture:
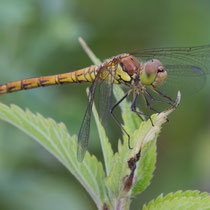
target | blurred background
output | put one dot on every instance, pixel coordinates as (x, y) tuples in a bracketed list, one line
[(40, 37)]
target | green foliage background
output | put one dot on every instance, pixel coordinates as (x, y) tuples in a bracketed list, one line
[(39, 37)]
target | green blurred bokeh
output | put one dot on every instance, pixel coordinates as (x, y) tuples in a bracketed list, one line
[(40, 37)]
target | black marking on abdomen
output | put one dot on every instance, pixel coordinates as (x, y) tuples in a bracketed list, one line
[(21, 84), (39, 82), (25, 86), (59, 80), (42, 83), (10, 89)]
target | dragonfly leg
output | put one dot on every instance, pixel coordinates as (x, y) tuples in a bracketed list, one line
[(163, 95), (150, 107), (148, 104), (117, 121), (115, 105), (155, 99), (140, 114)]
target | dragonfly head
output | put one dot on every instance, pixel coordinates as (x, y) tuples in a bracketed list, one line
[(153, 73)]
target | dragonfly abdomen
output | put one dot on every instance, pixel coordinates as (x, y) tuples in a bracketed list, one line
[(82, 75)]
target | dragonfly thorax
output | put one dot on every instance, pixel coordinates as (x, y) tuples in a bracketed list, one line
[(128, 69)]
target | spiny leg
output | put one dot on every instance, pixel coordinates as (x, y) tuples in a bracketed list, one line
[(117, 121), (155, 99), (163, 95), (148, 104), (140, 114)]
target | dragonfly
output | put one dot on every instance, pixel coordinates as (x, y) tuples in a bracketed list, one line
[(142, 73)]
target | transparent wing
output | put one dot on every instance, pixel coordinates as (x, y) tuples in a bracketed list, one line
[(186, 66), (84, 132), (195, 56), (106, 92), (104, 79), (186, 78)]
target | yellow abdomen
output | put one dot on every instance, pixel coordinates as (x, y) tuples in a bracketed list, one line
[(83, 75)]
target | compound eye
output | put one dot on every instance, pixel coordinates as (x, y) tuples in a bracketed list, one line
[(161, 70)]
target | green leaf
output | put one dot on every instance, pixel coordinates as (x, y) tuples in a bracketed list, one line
[(128, 173), (55, 138), (146, 165), (192, 200), (120, 165)]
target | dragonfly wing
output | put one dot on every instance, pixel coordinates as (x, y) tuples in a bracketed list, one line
[(84, 132), (106, 92), (186, 66), (188, 79), (195, 56), (83, 136), (105, 78)]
